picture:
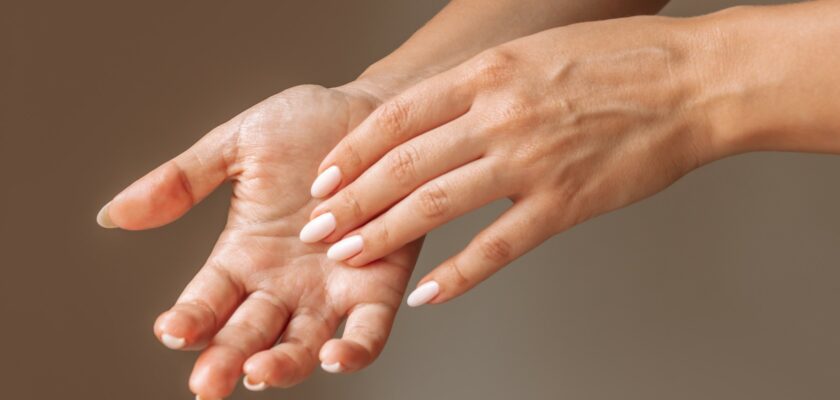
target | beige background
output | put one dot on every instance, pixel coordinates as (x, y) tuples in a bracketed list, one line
[(725, 286)]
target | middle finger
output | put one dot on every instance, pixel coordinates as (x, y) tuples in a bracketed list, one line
[(396, 175)]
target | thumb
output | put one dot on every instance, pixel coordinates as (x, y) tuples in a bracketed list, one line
[(170, 190)]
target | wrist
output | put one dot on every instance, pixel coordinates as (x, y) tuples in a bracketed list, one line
[(766, 78), (379, 83), (726, 82)]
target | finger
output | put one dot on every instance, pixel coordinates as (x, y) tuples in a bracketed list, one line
[(514, 233), (365, 333), (427, 105), (433, 204), (255, 326), (291, 361), (203, 307), (402, 170), (171, 189)]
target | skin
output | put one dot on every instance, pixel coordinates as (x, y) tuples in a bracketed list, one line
[(264, 304), (574, 122), (259, 280)]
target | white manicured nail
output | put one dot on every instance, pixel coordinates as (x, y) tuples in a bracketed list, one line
[(326, 182), (346, 248), (173, 342), (318, 228), (198, 397), (104, 219), (254, 387), (333, 368), (423, 294)]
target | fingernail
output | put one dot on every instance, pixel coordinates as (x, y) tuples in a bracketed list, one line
[(423, 294), (318, 228), (325, 183), (254, 387), (198, 397), (346, 248), (333, 368), (104, 219), (173, 342)]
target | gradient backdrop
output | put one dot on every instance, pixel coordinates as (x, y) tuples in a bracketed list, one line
[(725, 286)]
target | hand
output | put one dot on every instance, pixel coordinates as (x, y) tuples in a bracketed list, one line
[(260, 283), (568, 124)]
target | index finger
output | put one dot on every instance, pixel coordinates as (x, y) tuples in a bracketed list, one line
[(427, 105)]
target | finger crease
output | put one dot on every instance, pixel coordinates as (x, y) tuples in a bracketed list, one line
[(184, 181)]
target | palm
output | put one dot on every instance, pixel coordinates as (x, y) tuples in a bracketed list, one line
[(279, 149), (261, 283)]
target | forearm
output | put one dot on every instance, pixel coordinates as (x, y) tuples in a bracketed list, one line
[(466, 27), (777, 86)]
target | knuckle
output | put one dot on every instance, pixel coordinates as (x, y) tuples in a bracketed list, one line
[(351, 205), (457, 278), (569, 192), (434, 201), (495, 248), (401, 163), (375, 338), (393, 117), (574, 208), (381, 234), (174, 168), (516, 114), (499, 174), (519, 111), (348, 155), (493, 66), (246, 329), (526, 156), (305, 91)]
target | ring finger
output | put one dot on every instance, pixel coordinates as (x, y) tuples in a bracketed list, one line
[(394, 176), (431, 205)]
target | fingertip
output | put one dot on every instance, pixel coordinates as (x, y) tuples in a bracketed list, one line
[(256, 368), (272, 369), (170, 331), (342, 355), (318, 228), (103, 217), (334, 368), (326, 182), (330, 352), (215, 373), (179, 330), (423, 294), (173, 342), (254, 386), (346, 248), (154, 200)]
